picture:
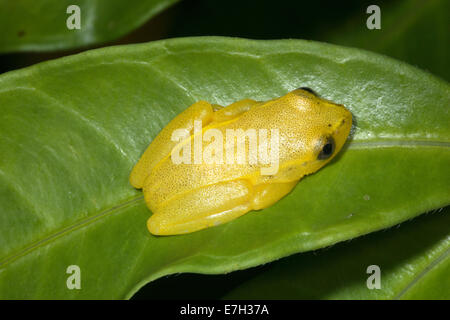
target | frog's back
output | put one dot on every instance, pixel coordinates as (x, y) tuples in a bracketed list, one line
[(169, 179)]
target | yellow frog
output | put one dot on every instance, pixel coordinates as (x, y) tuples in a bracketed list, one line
[(189, 186)]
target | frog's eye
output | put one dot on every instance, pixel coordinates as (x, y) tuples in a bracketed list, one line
[(327, 149), (309, 90)]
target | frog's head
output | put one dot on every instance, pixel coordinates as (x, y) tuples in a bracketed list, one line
[(321, 127)]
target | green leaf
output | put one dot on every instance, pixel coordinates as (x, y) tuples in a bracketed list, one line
[(29, 25), (73, 128), (414, 262)]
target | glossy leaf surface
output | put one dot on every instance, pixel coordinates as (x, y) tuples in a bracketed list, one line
[(72, 129)]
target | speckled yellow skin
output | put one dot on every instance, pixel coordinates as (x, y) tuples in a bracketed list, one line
[(188, 197)]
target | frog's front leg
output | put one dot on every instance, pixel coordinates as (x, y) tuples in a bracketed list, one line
[(162, 145), (205, 207), (266, 195)]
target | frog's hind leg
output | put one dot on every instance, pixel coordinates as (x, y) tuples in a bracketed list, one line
[(162, 145), (202, 208), (233, 110), (266, 195)]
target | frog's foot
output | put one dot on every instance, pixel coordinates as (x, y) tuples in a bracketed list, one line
[(202, 208), (266, 195)]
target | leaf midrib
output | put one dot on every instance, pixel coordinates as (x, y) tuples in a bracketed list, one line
[(77, 225), (397, 143), (423, 273), (355, 145)]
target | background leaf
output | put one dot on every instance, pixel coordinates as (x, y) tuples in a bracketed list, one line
[(29, 25), (413, 259), (73, 128), (413, 31)]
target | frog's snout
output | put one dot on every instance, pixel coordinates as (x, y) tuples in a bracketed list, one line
[(343, 131), (346, 120), (342, 127)]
